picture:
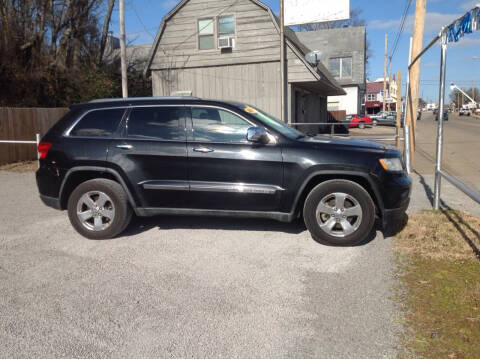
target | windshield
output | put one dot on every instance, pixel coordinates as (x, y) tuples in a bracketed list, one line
[(272, 122)]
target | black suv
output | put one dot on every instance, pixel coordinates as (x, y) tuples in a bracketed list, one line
[(162, 156)]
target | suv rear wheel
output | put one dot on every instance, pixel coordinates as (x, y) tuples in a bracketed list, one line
[(339, 212), (98, 209)]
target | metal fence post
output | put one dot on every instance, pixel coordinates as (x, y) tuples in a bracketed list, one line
[(438, 163), (406, 127), (37, 140)]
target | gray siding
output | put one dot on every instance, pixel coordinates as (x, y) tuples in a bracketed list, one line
[(297, 71), (257, 39), (256, 84), (343, 42)]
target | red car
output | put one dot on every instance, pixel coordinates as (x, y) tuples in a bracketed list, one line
[(358, 121)]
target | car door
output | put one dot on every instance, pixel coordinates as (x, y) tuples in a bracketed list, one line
[(226, 171), (151, 152)]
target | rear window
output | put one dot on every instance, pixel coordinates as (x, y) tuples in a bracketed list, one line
[(98, 123), (158, 123)]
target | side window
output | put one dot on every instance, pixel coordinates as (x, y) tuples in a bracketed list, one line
[(340, 67), (98, 123), (206, 34), (216, 125), (158, 123), (226, 26)]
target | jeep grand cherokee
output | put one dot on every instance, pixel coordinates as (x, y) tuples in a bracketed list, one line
[(107, 159)]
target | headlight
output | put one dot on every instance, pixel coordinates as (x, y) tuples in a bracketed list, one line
[(391, 164)]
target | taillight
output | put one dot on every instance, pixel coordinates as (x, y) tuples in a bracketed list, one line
[(43, 148)]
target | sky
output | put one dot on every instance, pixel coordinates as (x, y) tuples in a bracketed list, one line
[(143, 17)]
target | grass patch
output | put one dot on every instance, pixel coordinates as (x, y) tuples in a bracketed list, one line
[(440, 285), (27, 166), (440, 235)]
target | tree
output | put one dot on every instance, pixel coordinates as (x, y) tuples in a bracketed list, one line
[(422, 102), (50, 52), (106, 25)]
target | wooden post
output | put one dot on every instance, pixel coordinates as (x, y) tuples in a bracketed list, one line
[(123, 50), (399, 106), (283, 67), (414, 76), (385, 73)]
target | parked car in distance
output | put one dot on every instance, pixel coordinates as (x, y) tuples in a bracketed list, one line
[(464, 111), (445, 115), (379, 114), (107, 159), (355, 121), (388, 120)]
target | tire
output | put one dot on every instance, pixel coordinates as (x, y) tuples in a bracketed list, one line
[(375, 122), (324, 198), (361, 125), (105, 209)]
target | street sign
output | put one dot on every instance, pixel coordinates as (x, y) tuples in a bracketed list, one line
[(309, 11)]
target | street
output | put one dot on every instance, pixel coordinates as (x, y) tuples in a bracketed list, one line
[(461, 151)]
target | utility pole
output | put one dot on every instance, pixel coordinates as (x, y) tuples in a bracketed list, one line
[(390, 82), (399, 106), (283, 67), (414, 77), (385, 73), (123, 50)]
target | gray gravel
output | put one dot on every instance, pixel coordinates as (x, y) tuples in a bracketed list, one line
[(186, 287)]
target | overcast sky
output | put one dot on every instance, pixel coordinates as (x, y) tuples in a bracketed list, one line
[(463, 66)]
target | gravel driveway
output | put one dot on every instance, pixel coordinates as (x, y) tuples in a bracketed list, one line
[(186, 287)]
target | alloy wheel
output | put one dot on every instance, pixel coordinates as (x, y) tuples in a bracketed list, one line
[(95, 211), (339, 214)]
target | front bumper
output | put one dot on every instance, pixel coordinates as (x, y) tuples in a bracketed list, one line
[(391, 217)]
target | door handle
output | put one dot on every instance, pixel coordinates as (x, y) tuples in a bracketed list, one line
[(124, 147), (203, 149)]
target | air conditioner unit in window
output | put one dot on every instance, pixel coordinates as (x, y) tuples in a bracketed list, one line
[(226, 42)]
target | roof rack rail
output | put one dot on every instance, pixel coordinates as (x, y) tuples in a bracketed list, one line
[(152, 98)]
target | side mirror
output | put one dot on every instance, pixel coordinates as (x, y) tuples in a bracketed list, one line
[(258, 135)]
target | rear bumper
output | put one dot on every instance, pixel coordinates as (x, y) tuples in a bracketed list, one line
[(51, 201)]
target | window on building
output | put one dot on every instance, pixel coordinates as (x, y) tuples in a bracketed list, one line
[(215, 125), (206, 34), (158, 123), (98, 123), (341, 67), (371, 97), (226, 26)]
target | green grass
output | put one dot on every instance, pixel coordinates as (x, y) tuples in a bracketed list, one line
[(439, 290)]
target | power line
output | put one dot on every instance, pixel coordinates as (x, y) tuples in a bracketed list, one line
[(140, 20), (401, 28)]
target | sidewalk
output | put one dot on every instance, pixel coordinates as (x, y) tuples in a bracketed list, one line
[(422, 196)]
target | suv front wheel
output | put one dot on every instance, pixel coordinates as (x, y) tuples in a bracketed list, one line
[(339, 212), (99, 209)]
